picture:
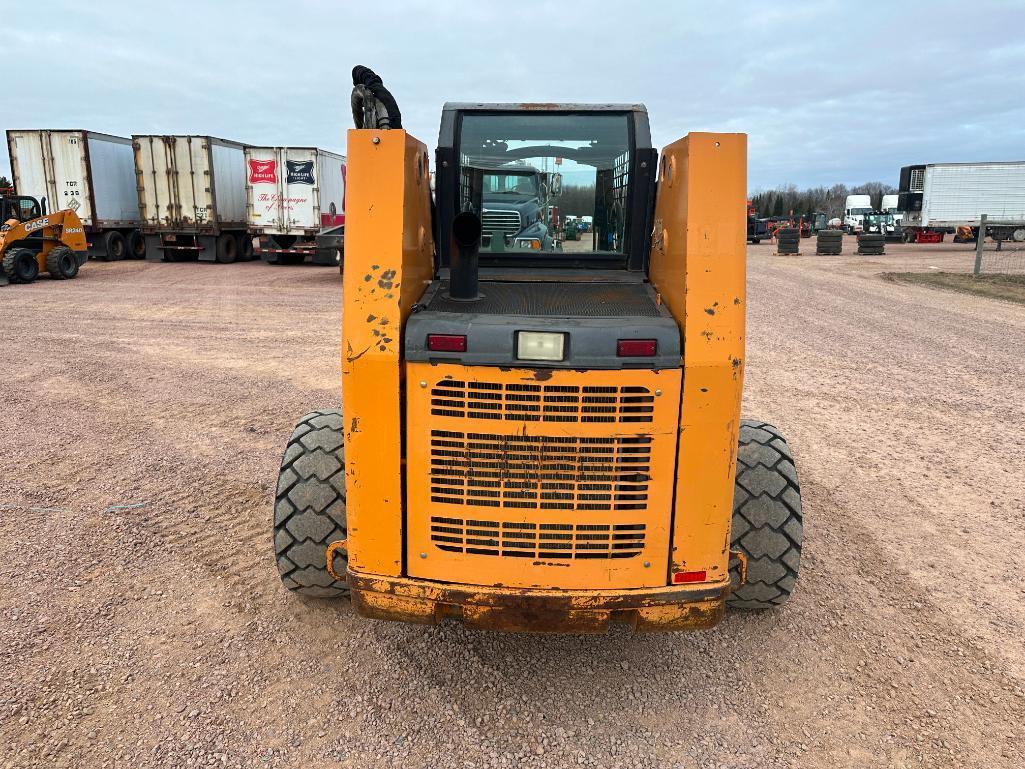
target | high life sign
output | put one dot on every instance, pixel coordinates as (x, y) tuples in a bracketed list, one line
[(263, 172), (299, 172)]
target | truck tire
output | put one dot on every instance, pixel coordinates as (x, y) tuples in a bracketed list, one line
[(768, 525), (20, 265), (245, 246), (136, 245), (114, 246), (61, 263), (227, 248), (309, 506)]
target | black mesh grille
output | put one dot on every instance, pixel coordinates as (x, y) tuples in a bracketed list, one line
[(554, 300)]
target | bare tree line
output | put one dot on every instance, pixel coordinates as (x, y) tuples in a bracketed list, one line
[(575, 200), (830, 200)]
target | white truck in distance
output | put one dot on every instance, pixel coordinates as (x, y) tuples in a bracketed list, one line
[(890, 206), (854, 211)]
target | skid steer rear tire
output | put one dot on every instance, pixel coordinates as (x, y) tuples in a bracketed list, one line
[(309, 506), (61, 263), (768, 525)]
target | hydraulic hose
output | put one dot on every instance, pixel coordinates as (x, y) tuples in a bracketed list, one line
[(372, 102)]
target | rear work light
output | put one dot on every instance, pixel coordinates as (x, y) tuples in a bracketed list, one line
[(682, 577), (446, 343), (540, 345), (636, 348)]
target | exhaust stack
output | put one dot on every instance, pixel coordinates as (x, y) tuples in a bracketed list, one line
[(465, 266)]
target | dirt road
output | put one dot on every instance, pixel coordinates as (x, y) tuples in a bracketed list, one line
[(143, 411)]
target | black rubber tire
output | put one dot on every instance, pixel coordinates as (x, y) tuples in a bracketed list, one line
[(20, 265), (227, 248), (245, 246), (136, 245), (114, 246), (309, 506), (61, 263), (768, 526)]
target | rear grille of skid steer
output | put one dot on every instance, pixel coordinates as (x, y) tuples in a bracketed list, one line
[(541, 403), (545, 472), (555, 479), (537, 540)]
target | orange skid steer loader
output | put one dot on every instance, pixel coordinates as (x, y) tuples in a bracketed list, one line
[(32, 241), (550, 439)]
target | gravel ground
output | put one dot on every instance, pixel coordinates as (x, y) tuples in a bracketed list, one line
[(142, 623)]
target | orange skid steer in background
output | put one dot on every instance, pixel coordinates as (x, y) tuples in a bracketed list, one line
[(32, 241), (540, 440)]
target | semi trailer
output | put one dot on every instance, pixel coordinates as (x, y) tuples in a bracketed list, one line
[(192, 198), (292, 195), (91, 173), (937, 198)]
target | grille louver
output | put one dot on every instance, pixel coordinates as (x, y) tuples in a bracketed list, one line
[(540, 472), (541, 403), (537, 540), (507, 222)]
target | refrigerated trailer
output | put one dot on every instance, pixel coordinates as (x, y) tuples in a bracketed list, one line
[(939, 197), (192, 198), (91, 173), (292, 195)]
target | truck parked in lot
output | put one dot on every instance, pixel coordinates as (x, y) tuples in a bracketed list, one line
[(514, 200), (91, 173), (292, 195), (854, 211), (938, 198), (192, 198)]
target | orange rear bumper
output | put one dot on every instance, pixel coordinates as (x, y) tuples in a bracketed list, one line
[(677, 607)]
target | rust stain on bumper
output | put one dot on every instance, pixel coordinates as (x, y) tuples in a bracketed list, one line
[(537, 611)]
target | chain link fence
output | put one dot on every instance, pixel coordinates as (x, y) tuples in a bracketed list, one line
[(1000, 248)]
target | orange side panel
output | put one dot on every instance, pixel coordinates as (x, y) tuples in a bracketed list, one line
[(388, 263), (698, 266)]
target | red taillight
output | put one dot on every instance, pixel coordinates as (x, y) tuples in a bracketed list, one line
[(636, 348), (446, 343), (688, 576)]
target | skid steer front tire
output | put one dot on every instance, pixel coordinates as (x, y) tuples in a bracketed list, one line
[(768, 527), (309, 506)]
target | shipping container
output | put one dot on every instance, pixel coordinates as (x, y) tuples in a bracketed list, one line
[(293, 193), (91, 173), (192, 197), (940, 197)]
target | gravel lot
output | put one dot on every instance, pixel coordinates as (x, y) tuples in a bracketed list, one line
[(144, 408)]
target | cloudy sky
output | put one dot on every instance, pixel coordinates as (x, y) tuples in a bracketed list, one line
[(827, 91)]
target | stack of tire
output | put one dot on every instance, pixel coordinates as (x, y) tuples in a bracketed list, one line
[(829, 242), (788, 240), (871, 243)]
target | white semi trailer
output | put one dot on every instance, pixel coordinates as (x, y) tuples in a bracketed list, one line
[(292, 195), (88, 172), (192, 198), (939, 197)]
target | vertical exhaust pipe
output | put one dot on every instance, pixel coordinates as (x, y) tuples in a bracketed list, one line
[(465, 258)]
